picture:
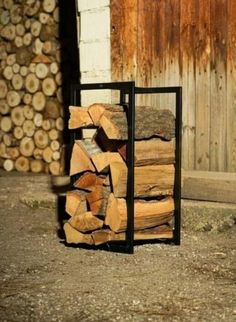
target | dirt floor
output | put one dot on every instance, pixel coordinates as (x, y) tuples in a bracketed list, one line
[(43, 280)]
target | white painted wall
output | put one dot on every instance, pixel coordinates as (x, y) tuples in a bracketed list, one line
[(94, 48)]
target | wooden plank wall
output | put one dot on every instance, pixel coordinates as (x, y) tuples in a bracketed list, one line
[(191, 43)]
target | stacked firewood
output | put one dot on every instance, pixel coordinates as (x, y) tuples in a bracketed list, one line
[(31, 112), (97, 203)]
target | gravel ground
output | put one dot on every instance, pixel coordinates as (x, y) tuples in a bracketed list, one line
[(43, 280)]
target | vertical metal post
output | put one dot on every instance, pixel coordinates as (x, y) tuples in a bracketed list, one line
[(177, 192), (130, 163)]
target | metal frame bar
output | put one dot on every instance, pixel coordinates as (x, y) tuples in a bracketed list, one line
[(128, 88)]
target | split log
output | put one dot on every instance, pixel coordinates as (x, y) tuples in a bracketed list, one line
[(38, 119), (8, 32), (146, 213), (22, 164), (18, 132), (4, 17), (79, 117), (48, 32), (31, 83), (85, 222), (27, 147), (55, 145), (8, 165), (13, 152), (28, 112), (20, 29), (53, 134), (54, 68), (27, 39), (36, 166), (35, 28), (105, 235), (50, 47), (43, 17), (49, 5), (28, 128), (3, 88), (97, 110), (16, 13), (73, 236), (47, 154), (18, 41), (8, 4), (4, 107), (11, 59), (149, 122), (52, 109), (16, 68), (41, 70), (17, 82), (9, 140), (41, 139), (55, 167), (31, 8), (153, 180), (40, 58), (23, 71), (6, 124), (59, 123), (49, 86), (97, 200), (81, 154), (154, 151), (23, 54), (104, 159), (38, 101), (89, 181), (8, 72), (38, 153), (75, 202), (46, 125), (27, 98)]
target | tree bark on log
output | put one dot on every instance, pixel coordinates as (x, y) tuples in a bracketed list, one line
[(149, 122)]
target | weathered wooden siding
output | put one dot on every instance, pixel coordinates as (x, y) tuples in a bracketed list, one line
[(191, 43)]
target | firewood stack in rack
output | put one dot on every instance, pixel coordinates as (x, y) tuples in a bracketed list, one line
[(97, 203), (31, 109)]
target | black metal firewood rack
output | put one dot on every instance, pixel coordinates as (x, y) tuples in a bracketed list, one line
[(128, 92)]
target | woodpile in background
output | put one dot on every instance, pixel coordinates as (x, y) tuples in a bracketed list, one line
[(96, 204), (31, 111)]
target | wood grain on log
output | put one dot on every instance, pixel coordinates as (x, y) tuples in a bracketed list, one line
[(89, 181), (79, 117), (154, 151), (105, 235), (73, 236), (146, 213), (153, 180), (85, 222), (75, 202)]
